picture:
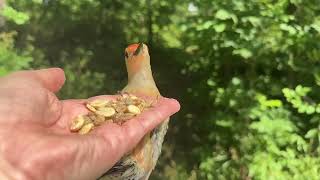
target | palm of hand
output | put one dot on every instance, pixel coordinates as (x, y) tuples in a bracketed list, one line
[(38, 143)]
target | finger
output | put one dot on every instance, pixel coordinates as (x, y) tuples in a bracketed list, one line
[(51, 79), (138, 127), (111, 141)]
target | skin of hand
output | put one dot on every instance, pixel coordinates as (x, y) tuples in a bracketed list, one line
[(35, 141)]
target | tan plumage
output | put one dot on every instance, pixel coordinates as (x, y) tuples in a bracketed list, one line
[(139, 164)]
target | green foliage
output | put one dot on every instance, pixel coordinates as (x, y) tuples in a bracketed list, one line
[(280, 150), (246, 73), (12, 59), (79, 78), (295, 98), (246, 56), (11, 14)]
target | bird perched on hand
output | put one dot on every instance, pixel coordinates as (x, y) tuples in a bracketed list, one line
[(139, 164)]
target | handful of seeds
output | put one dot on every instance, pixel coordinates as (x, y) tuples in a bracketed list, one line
[(117, 111)]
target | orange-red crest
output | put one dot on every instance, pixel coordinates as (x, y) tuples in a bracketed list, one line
[(132, 48)]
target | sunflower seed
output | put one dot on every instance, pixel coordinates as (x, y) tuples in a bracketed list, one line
[(77, 123), (86, 128), (133, 109), (99, 103), (102, 111), (91, 108), (133, 97), (106, 111)]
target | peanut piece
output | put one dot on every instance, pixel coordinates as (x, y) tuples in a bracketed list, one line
[(133, 97), (99, 103), (86, 128), (133, 109), (91, 108), (77, 123), (106, 111)]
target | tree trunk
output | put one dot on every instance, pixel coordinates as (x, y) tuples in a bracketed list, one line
[(149, 24)]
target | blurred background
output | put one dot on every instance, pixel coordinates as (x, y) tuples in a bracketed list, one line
[(247, 74)]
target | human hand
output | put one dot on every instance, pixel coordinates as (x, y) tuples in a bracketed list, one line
[(35, 141)]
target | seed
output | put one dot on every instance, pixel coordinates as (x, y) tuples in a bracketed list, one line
[(127, 116), (87, 119), (101, 111), (129, 101), (138, 101), (92, 117), (109, 121), (125, 95), (99, 120), (133, 109), (106, 111), (133, 97), (99, 103), (86, 128), (77, 123), (91, 108), (120, 108)]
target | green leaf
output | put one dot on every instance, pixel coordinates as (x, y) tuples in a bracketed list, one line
[(316, 25), (14, 15), (245, 53), (37, 1), (219, 27), (210, 82), (236, 81), (318, 108), (224, 123), (312, 133), (255, 21), (273, 103), (302, 91), (288, 28), (310, 110), (222, 14), (207, 24)]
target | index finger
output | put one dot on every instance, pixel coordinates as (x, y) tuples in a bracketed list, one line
[(132, 131), (136, 128)]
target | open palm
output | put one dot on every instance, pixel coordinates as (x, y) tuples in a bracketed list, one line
[(35, 139)]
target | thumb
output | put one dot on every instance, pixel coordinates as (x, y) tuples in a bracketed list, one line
[(51, 79)]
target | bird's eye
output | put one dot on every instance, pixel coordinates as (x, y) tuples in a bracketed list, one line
[(126, 54)]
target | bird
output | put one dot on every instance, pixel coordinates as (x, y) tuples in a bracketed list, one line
[(141, 161)]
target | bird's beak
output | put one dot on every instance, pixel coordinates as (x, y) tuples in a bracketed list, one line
[(139, 48)]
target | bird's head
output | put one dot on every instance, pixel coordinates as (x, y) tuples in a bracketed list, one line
[(137, 58)]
